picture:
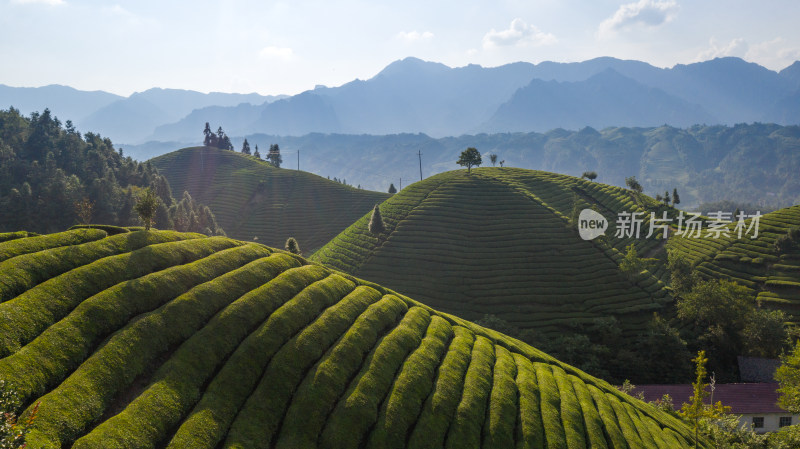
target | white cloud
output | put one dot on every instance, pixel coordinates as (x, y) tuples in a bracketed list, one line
[(518, 33), (40, 2), (414, 36), (272, 52), (737, 47), (776, 54), (648, 13)]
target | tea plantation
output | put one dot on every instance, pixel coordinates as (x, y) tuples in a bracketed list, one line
[(771, 275), (503, 241), (253, 200), (132, 339)]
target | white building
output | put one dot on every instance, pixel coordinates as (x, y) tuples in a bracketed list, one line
[(757, 403)]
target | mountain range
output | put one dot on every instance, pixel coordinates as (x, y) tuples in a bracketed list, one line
[(413, 96)]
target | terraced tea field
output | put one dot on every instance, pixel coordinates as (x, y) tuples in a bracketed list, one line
[(252, 200), (501, 241), (163, 339), (773, 278)]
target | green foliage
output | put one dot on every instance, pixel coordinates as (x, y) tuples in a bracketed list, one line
[(730, 323), (392, 188), (682, 277), (633, 184), (376, 225), (727, 432), (274, 155), (788, 376), (785, 438), (590, 175), (146, 207), (13, 432), (292, 246), (697, 410), (52, 177), (493, 159), (788, 242), (469, 157), (190, 216), (632, 265)]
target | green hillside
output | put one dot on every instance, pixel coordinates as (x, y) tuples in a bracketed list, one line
[(253, 200), (164, 339), (772, 276), (501, 241)]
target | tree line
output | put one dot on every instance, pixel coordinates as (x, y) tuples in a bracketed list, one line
[(220, 140), (53, 177)]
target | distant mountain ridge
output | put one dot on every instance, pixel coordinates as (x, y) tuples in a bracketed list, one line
[(123, 119), (413, 96)]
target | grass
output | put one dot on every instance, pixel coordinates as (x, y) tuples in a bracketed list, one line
[(185, 341), (252, 200)]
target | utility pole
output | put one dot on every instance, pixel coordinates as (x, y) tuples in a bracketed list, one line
[(298, 160), (401, 184), (419, 153)]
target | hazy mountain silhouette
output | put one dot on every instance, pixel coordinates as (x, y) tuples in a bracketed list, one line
[(412, 96), (605, 99), (64, 102)]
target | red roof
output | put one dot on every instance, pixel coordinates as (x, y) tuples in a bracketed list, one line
[(741, 398)]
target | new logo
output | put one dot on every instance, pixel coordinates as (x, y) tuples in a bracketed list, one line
[(591, 224)]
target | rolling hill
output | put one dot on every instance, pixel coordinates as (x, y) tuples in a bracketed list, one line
[(163, 339), (502, 241), (772, 277), (255, 201)]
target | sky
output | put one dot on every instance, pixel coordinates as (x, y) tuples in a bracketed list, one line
[(276, 47)]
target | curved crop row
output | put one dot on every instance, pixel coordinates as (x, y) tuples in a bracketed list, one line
[(252, 200), (240, 346), (502, 242)]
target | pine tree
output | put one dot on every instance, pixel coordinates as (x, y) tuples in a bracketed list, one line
[(209, 139), (274, 155), (376, 221), (675, 198), (245, 147), (292, 246), (392, 189), (256, 153)]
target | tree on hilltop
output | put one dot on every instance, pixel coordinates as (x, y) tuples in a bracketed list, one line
[(633, 184), (675, 198), (469, 157), (376, 221), (209, 139), (392, 189), (246, 147), (256, 153), (274, 155), (590, 175), (493, 159)]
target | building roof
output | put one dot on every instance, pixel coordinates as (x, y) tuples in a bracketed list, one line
[(755, 369), (741, 398)]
